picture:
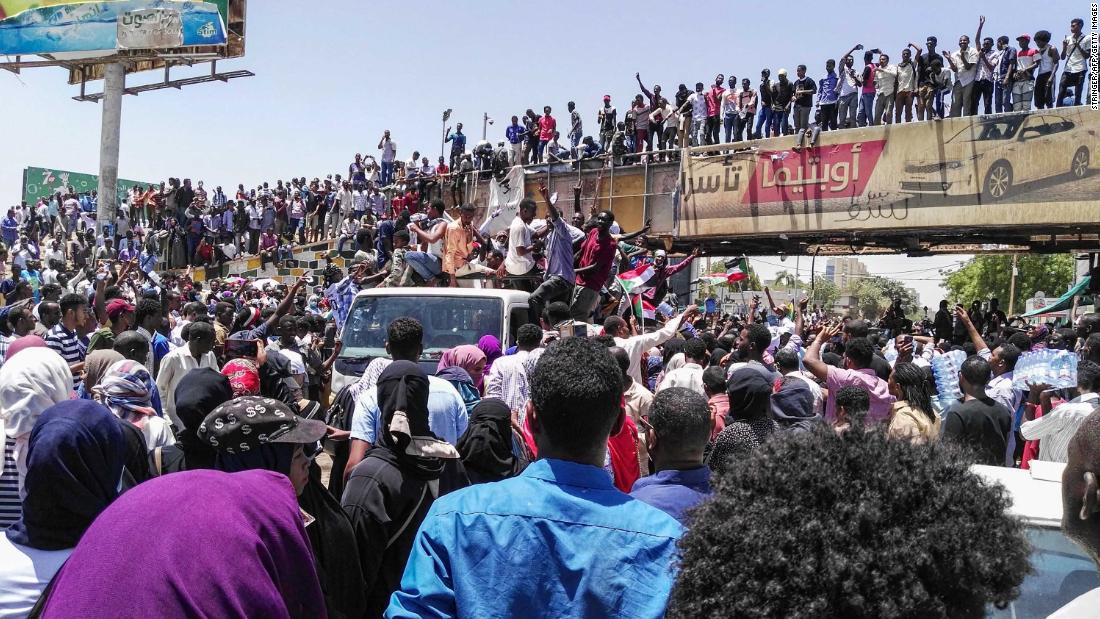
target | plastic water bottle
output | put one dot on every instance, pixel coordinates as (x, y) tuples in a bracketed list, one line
[(945, 370)]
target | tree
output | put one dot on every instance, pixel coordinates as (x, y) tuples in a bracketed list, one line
[(876, 293), (825, 293), (985, 277)]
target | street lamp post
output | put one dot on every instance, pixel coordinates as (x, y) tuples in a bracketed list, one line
[(443, 140), (485, 122)]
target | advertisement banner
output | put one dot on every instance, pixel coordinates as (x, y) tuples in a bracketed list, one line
[(105, 26), (1013, 169), (44, 182)]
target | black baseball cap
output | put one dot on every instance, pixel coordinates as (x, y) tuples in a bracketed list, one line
[(245, 423)]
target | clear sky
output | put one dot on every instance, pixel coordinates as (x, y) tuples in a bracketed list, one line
[(329, 79)]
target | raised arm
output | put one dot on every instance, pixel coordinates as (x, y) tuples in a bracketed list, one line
[(638, 76), (634, 235), (978, 35), (812, 360), (971, 330)]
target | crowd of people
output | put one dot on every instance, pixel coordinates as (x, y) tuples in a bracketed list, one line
[(608, 460), (618, 470), (175, 223)]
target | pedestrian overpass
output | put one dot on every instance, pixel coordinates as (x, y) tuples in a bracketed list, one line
[(1013, 182)]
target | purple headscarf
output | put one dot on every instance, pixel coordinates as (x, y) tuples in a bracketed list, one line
[(490, 345), (232, 545)]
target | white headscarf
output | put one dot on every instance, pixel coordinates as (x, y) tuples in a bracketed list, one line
[(40, 379)]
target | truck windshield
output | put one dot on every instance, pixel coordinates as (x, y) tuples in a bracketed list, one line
[(448, 322)]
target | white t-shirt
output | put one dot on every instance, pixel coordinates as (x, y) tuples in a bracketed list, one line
[(698, 105), (1075, 58), (885, 78), (389, 151), (519, 234), (962, 75), (25, 574), (297, 364)]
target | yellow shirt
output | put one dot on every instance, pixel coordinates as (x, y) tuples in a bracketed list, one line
[(911, 424)]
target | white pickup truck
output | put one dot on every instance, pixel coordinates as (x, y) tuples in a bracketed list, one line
[(451, 317)]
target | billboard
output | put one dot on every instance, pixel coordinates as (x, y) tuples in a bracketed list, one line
[(43, 182), (1011, 170), (90, 28)]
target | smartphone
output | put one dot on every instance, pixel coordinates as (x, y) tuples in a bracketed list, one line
[(241, 349)]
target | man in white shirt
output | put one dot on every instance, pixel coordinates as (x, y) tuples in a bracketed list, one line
[(507, 378), (637, 344), (689, 375), (964, 63), (886, 89), (197, 353), (389, 154), (698, 102), (1055, 429), (1076, 51), (520, 259), (191, 311)]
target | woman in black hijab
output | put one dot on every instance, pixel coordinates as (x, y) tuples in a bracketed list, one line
[(245, 420), (488, 445), (199, 391), (388, 494), (747, 423), (74, 464)]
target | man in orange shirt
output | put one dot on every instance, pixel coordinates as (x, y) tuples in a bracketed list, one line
[(458, 246)]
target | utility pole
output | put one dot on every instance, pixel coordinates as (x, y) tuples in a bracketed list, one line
[(114, 82), (1012, 286)]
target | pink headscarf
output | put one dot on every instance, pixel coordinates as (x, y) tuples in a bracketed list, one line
[(467, 357), (23, 343)]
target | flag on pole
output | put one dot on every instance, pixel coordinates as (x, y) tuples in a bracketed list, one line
[(637, 280), (643, 309), (737, 269), (714, 279)]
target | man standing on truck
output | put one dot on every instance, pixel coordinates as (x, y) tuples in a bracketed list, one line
[(560, 276)]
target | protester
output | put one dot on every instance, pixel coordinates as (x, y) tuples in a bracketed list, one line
[(198, 353), (678, 433), (40, 379), (260, 433), (977, 421), (198, 393), (958, 556), (126, 388), (76, 458), (1057, 426), (857, 373), (389, 492), (464, 368), (547, 549), (490, 448), (251, 516), (1080, 516), (911, 416), (748, 422)]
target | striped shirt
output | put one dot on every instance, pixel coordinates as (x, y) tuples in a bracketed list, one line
[(5, 341), (1055, 429), (10, 504), (67, 344)]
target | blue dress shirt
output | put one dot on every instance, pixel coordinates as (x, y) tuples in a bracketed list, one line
[(558, 540), (674, 492)]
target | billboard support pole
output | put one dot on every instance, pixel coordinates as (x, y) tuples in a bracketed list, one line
[(114, 82)]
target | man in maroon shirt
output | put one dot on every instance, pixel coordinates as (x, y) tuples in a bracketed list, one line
[(597, 255)]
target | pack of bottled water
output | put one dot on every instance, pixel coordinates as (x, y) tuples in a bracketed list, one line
[(1057, 368), (945, 369)]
